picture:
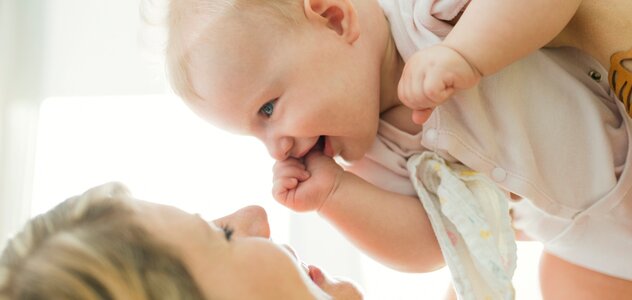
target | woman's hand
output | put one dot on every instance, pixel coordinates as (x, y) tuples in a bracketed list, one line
[(305, 184)]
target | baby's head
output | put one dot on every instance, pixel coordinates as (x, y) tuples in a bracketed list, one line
[(293, 73)]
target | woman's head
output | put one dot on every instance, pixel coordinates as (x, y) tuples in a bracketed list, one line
[(105, 245), (91, 247)]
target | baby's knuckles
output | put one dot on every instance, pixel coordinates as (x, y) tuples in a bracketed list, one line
[(325, 176), (309, 194), (410, 88)]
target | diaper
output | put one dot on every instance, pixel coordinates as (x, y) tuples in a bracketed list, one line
[(470, 217)]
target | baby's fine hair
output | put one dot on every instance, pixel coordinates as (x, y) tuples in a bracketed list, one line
[(91, 247), (181, 36)]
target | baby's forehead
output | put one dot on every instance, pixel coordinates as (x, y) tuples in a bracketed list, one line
[(213, 22), (228, 113), (234, 69)]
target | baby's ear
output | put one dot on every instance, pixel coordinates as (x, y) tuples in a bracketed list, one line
[(338, 15)]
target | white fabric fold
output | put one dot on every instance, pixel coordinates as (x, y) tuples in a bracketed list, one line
[(470, 217)]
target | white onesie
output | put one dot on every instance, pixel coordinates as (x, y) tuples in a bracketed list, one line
[(544, 128)]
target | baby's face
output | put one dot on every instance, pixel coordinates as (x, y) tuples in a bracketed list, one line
[(290, 90)]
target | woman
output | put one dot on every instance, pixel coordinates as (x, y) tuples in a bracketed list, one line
[(106, 245)]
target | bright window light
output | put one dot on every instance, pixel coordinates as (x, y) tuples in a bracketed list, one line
[(158, 148), (166, 154)]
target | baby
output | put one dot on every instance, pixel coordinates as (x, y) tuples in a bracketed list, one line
[(318, 79), (488, 36)]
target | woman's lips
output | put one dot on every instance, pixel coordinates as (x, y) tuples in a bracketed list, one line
[(316, 275)]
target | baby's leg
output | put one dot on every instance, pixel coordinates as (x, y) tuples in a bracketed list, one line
[(562, 280)]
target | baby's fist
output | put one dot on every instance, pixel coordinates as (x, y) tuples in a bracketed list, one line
[(432, 75), (305, 185)]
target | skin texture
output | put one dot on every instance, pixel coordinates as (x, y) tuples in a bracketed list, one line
[(296, 75), (332, 76), (479, 46), (245, 266), (488, 36), (560, 279), (321, 79), (431, 76)]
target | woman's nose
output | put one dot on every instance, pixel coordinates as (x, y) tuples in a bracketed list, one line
[(280, 148), (250, 221)]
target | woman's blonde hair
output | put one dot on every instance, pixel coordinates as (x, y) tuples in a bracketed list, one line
[(91, 247)]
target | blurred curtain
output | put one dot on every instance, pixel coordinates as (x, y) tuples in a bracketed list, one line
[(59, 48), (84, 49), (21, 56)]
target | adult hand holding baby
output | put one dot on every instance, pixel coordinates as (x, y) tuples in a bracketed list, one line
[(430, 76), (305, 184)]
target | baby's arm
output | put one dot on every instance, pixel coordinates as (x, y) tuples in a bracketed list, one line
[(493, 34), (488, 36), (392, 228)]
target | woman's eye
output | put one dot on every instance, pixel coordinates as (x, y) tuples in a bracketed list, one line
[(228, 232), (268, 108)]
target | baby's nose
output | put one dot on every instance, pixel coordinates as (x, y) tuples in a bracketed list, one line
[(280, 149)]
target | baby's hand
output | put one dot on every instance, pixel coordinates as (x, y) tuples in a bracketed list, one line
[(305, 185), (430, 76)]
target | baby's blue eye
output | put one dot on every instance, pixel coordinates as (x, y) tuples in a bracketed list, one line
[(267, 109)]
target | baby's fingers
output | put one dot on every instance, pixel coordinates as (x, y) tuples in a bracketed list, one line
[(438, 88), (421, 116), (299, 173), (411, 92), (284, 188), (290, 168), (403, 90), (287, 163)]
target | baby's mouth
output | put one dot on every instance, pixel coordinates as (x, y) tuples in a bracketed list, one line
[(323, 145), (320, 144)]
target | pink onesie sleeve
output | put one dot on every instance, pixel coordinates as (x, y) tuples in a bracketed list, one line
[(429, 24)]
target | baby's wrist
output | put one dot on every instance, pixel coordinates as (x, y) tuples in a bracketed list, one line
[(336, 194), (455, 50)]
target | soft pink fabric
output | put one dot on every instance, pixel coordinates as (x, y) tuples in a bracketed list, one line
[(427, 24), (543, 129)]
